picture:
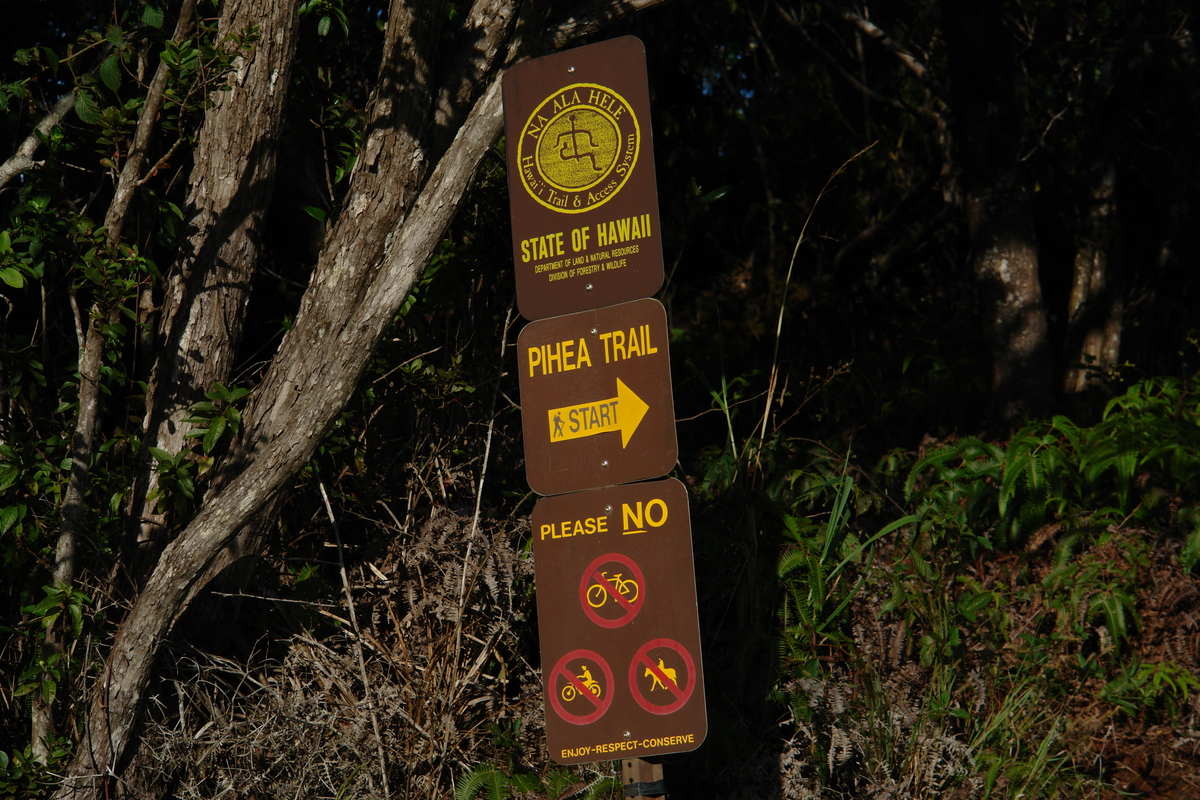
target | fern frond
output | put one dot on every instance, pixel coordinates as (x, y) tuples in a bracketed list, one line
[(481, 777), (1014, 470), (1189, 554)]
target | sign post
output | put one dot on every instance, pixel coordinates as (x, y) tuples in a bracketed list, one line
[(622, 675)]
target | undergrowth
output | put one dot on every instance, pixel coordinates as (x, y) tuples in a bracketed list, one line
[(979, 619)]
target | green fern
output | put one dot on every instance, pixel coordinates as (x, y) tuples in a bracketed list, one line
[(482, 777)]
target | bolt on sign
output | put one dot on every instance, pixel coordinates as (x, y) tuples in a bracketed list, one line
[(582, 189), (620, 638), (596, 403)]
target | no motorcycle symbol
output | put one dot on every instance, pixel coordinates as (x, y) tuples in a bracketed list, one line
[(580, 687)]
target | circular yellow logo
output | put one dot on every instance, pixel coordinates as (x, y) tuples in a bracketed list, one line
[(578, 148)]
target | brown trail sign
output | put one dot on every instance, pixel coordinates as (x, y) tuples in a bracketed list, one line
[(596, 404), (581, 181), (616, 589), (620, 638)]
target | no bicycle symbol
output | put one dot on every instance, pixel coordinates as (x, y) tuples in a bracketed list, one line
[(654, 675), (614, 583), (578, 694)]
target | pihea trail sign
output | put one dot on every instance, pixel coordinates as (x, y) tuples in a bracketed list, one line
[(616, 590), (620, 637), (582, 189), (596, 403)]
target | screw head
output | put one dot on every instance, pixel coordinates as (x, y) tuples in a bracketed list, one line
[(604, 463)]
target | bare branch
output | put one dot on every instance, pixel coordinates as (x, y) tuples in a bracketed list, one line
[(131, 172), (22, 160), (592, 17), (878, 34)]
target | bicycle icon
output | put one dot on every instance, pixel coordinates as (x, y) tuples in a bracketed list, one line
[(597, 594), (570, 692)]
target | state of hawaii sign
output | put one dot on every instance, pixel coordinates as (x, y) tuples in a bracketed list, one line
[(582, 189)]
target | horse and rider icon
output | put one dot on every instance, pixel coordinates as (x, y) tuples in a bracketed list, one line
[(665, 672)]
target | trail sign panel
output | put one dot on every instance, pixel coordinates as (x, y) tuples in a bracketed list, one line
[(620, 638), (596, 405), (581, 182)]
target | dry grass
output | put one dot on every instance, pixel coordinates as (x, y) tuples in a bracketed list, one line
[(438, 614)]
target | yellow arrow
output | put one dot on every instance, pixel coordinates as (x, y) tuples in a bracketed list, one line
[(623, 412)]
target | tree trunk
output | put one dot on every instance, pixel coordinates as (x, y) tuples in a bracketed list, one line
[(421, 147), (208, 286), (1004, 252), (1096, 310)]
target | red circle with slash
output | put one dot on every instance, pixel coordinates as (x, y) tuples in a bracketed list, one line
[(630, 607), (664, 677), (601, 703)]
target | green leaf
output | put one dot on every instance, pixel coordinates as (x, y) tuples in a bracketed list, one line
[(152, 16), (714, 195), (76, 613), (316, 213), (115, 36), (12, 277), (110, 72), (214, 434), (9, 517), (86, 107), (323, 26), (1189, 554), (161, 455), (51, 58)]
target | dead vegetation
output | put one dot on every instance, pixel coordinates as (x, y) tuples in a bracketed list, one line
[(440, 615)]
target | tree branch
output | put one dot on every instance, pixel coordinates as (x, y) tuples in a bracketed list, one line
[(22, 160), (593, 17), (402, 196), (131, 172), (878, 34)]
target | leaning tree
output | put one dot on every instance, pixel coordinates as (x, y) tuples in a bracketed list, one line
[(137, 205)]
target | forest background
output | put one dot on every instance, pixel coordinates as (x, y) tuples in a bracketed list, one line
[(931, 277)]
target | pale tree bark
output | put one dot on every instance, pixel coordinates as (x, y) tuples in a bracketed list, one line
[(91, 359), (1096, 310), (208, 286), (432, 119), (22, 160), (1004, 251)]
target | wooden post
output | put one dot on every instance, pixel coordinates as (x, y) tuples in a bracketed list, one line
[(642, 779)]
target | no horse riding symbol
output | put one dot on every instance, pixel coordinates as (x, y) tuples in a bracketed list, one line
[(671, 670), (665, 672)]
